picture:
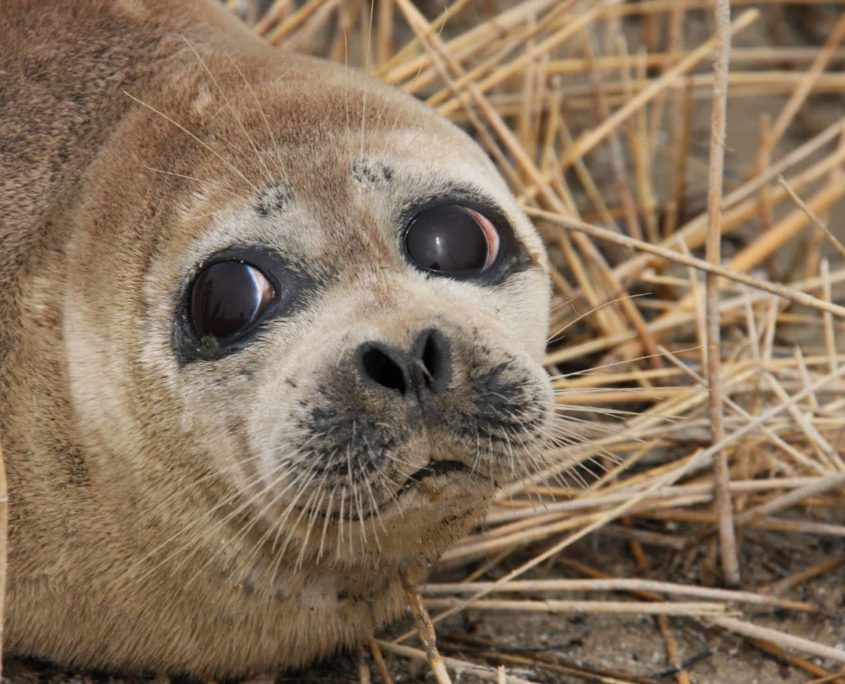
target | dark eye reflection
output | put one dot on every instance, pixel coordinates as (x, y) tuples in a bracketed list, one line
[(227, 297), (452, 240)]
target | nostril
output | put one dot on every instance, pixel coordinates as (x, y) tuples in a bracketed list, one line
[(383, 370), (436, 359), (431, 356)]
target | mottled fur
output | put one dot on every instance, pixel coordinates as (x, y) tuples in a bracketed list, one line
[(242, 514)]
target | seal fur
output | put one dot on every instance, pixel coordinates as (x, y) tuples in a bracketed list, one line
[(180, 511)]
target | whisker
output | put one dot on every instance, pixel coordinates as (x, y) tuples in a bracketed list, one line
[(227, 102), (192, 178), (195, 138), (624, 362), (598, 307), (279, 156)]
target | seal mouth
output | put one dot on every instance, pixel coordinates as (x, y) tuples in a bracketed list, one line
[(430, 470)]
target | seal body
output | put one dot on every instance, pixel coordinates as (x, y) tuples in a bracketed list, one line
[(217, 496)]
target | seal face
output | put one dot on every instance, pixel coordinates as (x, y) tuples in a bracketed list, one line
[(282, 344)]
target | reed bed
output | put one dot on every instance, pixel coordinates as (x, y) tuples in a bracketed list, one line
[(683, 161)]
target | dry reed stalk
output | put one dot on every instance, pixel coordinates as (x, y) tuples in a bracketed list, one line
[(572, 66), (693, 232), (485, 673), (384, 46), (812, 216), (552, 606), (779, 638), (624, 584), (421, 68), (744, 84), (617, 162), (364, 674), (784, 501), (555, 663), (672, 652), (655, 6), (632, 585), (294, 21), (721, 474), (773, 437), (425, 629), (378, 658), (276, 11), (803, 576), (523, 39), (820, 674), (790, 109)]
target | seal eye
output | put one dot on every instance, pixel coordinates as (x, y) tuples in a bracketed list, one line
[(452, 240), (227, 297)]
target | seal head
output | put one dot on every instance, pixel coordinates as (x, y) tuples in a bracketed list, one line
[(295, 324)]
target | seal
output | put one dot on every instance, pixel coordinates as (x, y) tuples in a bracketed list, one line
[(271, 338)]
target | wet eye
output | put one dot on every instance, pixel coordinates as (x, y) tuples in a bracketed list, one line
[(227, 297), (453, 240)]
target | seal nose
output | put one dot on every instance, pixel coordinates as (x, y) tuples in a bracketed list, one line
[(386, 366), (427, 368)]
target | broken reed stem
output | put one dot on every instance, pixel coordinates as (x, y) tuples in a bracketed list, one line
[(814, 219), (622, 584), (425, 629), (488, 674), (553, 606), (612, 495), (805, 87), (824, 677), (364, 674), (721, 474), (672, 651), (774, 636), (378, 658), (788, 500), (783, 585)]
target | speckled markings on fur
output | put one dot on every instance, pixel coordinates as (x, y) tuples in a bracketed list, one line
[(178, 509)]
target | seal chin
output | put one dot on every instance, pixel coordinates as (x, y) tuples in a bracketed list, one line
[(433, 469), (434, 511), (440, 492)]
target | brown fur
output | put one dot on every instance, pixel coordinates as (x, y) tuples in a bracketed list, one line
[(137, 137)]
